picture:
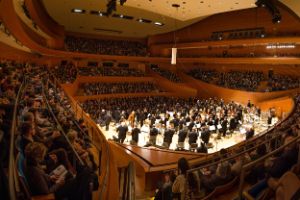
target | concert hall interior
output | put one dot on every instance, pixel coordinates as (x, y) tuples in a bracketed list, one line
[(149, 99)]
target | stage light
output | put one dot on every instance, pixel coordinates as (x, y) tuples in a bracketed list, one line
[(111, 6), (122, 2), (158, 23), (270, 5), (276, 18)]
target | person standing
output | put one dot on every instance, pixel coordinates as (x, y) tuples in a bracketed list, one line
[(122, 131)]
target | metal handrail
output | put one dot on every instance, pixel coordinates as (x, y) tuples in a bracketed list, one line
[(60, 128), (12, 179), (106, 147)]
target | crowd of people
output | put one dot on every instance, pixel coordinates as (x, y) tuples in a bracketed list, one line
[(279, 82), (53, 152), (192, 120), (117, 88), (208, 76), (277, 173), (246, 80), (243, 80), (109, 71), (167, 74), (65, 73), (105, 47), (10, 81)]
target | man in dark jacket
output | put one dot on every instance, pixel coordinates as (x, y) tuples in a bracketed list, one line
[(193, 135), (168, 137), (135, 135), (122, 131), (205, 135)]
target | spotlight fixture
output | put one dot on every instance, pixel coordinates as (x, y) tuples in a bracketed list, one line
[(112, 6), (122, 2), (270, 5), (158, 23)]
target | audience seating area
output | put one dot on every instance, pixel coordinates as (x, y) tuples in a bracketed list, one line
[(106, 47), (279, 82), (167, 74), (117, 88), (53, 149), (246, 80), (65, 73), (109, 71)]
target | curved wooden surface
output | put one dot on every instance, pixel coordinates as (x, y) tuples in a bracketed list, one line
[(20, 31), (159, 159), (41, 17)]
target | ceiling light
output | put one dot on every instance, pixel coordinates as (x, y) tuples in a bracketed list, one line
[(141, 20), (122, 2), (158, 23), (77, 10)]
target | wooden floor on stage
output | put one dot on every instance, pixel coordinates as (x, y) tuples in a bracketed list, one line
[(159, 159)]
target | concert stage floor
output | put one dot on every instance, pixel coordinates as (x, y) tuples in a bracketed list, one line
[(217, 143)]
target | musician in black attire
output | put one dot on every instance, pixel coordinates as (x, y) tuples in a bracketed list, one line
[(175, 121), (202, 148), (122, 131), (193, 136), (205, 135), (224, 127), (182, 135), (191, 125), (153, 134), (249, 133), (232, 124), (168, 137), (107, 120), (135, 135)]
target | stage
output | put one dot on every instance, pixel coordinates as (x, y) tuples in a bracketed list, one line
[(259, 124)]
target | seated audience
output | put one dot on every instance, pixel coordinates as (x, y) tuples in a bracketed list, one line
[(279, 82), (184, 184), (167, 74), (105, 47), (114, 88), (65, 73), (109, 71)]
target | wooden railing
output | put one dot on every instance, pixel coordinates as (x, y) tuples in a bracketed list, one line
[(12, 176), (107, 170)]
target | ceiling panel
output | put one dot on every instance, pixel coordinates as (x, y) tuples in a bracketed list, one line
[(189, 12)]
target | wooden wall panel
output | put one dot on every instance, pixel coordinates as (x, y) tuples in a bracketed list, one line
[(40, 16), (242, 19)]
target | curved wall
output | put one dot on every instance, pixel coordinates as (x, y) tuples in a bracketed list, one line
[(242, 19), (40, 16)]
